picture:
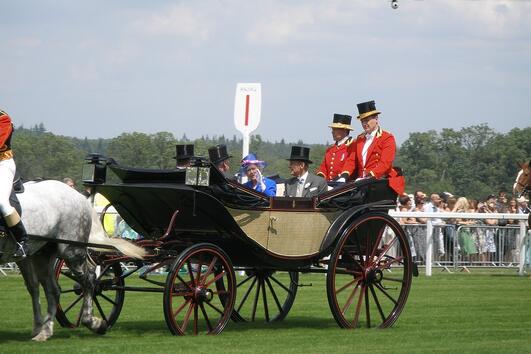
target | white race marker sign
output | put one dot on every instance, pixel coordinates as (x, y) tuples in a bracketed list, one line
[(247, 108)]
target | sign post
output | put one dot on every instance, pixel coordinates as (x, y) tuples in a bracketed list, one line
[(247, 109)]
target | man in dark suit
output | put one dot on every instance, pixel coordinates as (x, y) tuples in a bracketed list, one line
[(220, 158), (303, 183)]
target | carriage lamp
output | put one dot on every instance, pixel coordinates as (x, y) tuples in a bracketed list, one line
[(94, 169), (197, 176)]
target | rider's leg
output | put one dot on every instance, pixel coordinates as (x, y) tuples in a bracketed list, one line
[(18, 230)]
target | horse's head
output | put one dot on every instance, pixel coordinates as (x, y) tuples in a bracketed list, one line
[(522, 184)]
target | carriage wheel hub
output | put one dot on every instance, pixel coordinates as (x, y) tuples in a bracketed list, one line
[(373, 276), (203, 294)]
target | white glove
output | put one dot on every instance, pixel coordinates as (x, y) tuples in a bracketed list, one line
[(360, 179), (341, 180)]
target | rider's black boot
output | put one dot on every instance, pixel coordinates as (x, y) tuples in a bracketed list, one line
[(18, 230)]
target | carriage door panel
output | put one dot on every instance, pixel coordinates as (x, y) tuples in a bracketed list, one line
[(297, 233), (255, 224)]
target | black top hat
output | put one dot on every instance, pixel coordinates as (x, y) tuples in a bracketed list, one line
[(367, 109), (300, 153), (218, 154), (341, 121), (183, 151)]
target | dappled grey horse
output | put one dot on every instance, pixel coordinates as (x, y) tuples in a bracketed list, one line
[(54, 210)]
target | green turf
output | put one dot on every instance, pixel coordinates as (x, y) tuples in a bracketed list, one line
[(482, 312)]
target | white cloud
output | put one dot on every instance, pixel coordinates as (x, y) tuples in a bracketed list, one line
[(178, 20)]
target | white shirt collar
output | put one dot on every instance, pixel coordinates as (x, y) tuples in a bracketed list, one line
[(371, 134), (342, 141), (303, 177)]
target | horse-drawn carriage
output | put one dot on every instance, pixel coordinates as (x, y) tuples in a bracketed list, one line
[(233, 253)]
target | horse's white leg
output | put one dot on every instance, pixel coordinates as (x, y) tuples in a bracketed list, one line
[(46, 276), (77, 262), (32, 285)]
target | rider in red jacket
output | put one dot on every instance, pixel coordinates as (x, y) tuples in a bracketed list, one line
[(7, 174), (375, 149)]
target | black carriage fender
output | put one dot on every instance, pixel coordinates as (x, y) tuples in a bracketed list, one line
[(345, 219)]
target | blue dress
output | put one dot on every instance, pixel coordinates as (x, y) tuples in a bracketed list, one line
[(270, 187)]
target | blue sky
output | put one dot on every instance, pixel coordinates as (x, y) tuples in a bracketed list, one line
[(100, 68)]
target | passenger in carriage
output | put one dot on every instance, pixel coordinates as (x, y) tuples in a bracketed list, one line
[(339, 160), (7, 173), (303, 183), (375, 149), (220, 158), (252, 167), (183, 155)]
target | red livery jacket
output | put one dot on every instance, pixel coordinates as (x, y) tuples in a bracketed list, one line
[(6, 129), (338, 161), (380, 158)]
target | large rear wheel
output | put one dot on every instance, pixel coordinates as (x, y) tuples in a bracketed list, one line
[(370, 273)]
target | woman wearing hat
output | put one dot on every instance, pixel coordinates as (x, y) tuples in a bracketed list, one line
[(252, 167), (339, 160), (7, 173), (375, 149)]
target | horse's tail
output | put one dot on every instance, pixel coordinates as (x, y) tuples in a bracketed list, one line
[(99, 236)]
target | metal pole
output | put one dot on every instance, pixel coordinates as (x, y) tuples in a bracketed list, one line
[(521, 247), (429, 246)]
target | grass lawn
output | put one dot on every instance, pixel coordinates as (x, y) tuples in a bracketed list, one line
[(482, 312)]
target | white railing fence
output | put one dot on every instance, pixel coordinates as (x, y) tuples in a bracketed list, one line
[(433, 232)]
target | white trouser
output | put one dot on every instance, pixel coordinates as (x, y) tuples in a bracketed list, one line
[(7, 173)]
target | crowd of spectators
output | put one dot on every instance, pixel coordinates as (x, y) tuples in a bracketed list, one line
[(473, 240)]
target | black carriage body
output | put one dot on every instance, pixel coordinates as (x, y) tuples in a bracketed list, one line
[(254, 230)]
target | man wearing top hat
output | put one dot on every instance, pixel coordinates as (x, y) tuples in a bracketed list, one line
[(375, 149), (220, 158), (183, 155), (303, 183), (339, 159)]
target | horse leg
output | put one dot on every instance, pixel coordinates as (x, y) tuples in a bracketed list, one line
[(76, 259), (44, 266), (32, 285)]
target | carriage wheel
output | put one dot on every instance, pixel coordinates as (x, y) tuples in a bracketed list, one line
[(108, 294), (200, 291), (266, 295), (370, 272)]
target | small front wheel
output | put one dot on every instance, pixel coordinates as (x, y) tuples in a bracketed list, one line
[(200, 291), (370, 273)]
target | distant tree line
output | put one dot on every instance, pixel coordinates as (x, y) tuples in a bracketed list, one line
[(474, 161)]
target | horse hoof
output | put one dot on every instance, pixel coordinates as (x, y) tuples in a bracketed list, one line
[(102, 329), (41, 337)]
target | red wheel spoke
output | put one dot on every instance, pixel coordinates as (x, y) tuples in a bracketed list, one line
[(385, 249), (274, 294), (206, 317), (387, 264), (246, 294), (377, 243), (377, 302), (385, 293), (187, 317), (199, 264), (184, 282), (216, 278), (209, 270), (367, 309), (346, 285), (349, 299), (190, 271), (358, 307), (100, 310), (196, 320), (180, 308)]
